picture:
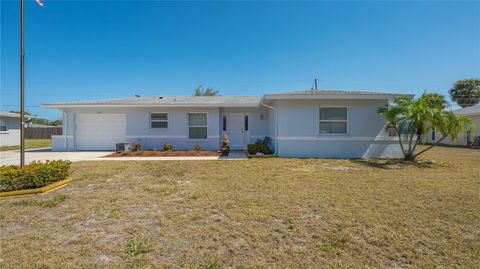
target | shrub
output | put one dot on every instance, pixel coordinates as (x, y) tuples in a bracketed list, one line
[(265, 149), (167, 147), (252, 149), (33, 175), (135, 146), (197, 147)]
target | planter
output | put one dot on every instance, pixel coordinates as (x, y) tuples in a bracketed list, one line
[(42, 191)]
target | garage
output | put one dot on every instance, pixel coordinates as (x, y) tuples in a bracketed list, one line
[(99, 131)]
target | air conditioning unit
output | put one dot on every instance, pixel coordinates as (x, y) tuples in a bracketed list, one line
[(123, 147)]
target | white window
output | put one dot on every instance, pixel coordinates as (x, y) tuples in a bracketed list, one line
[(333, 120), (197, 125), (158, 120)]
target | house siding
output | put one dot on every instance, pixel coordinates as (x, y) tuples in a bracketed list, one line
[(293, 126), (258, 122), (462, 139), (365, 138), (138, 126), (12, 136)]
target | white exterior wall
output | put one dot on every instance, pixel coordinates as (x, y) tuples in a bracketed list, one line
[(462, 139), (258, 122), (138, 128), (299, 134), (11, 137)]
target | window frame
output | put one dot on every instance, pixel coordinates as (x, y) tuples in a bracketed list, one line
[(224, 122), (150, 120), (347, 129), (205, 126)]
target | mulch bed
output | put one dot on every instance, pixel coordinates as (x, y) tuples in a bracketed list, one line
[(171, 153)]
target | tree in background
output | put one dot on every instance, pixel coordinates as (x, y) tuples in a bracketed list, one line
[(466, 92), (42, 121), (413, 119), (207, 92)]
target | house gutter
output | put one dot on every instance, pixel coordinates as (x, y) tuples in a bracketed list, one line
[(276, 123)]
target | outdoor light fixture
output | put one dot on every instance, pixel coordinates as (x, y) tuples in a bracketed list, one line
[(26, 122)]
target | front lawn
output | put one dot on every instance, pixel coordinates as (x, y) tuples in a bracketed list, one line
[(283, 213), (30, 144)]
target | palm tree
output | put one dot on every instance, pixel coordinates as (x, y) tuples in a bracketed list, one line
[(207, 92), (466, 92), (413, 119)]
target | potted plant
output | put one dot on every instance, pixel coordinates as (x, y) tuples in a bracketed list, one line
[(225, 149)]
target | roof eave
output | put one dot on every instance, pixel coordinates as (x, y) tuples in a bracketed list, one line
[(333, 96), (60, 106)]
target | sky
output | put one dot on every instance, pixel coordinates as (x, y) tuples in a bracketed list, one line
[(86, 50)]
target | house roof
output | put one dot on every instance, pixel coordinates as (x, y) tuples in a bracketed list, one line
[(223, 101), (15, 115), (471, 110), (332, 94), (203, 101)]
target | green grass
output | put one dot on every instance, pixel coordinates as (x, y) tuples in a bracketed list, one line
[(262, 213), (30, 144)]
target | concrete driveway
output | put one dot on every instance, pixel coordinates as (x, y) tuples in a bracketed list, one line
[(13, 157)]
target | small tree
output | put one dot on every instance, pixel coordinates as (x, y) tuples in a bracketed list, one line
[(466, 92), (413, 119), (207, 92)]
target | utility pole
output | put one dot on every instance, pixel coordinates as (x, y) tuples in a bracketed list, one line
[(22, 85), (315, 84)]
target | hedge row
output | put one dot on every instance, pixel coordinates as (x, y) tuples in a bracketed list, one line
[(33, 175)]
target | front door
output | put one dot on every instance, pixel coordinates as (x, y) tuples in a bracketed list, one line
[(235, 131)]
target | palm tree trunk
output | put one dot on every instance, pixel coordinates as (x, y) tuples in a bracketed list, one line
[(400, 140), (431, 146)]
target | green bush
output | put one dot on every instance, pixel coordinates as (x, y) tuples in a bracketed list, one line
[(33, 175), (167, 147), (197, 147), (135, 146), (265, 149), (252, 149)]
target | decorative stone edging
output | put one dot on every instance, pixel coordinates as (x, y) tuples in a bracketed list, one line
[(42, 191)]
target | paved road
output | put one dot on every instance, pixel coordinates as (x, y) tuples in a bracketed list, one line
[(13, 157)]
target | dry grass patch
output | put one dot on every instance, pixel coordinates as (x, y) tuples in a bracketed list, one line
[(255, 213)]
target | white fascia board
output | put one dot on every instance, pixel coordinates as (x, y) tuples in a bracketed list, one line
[(59, 106), (333, 96)]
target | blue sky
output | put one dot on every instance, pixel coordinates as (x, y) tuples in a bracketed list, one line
[(78, 50)]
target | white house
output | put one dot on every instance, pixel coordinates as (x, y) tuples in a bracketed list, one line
[(473, 113), (312, 123), (9, 129)]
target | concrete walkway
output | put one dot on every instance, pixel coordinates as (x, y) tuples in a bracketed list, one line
[(13, 157)]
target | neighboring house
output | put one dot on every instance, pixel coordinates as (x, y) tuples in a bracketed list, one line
[(10, 128), (312, 123), (473, 113)]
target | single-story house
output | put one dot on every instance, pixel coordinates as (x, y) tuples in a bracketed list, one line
[(10, 128), (312, 123), (473, 113)]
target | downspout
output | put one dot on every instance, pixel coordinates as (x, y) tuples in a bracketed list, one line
[(65, 127), (276, 123)]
